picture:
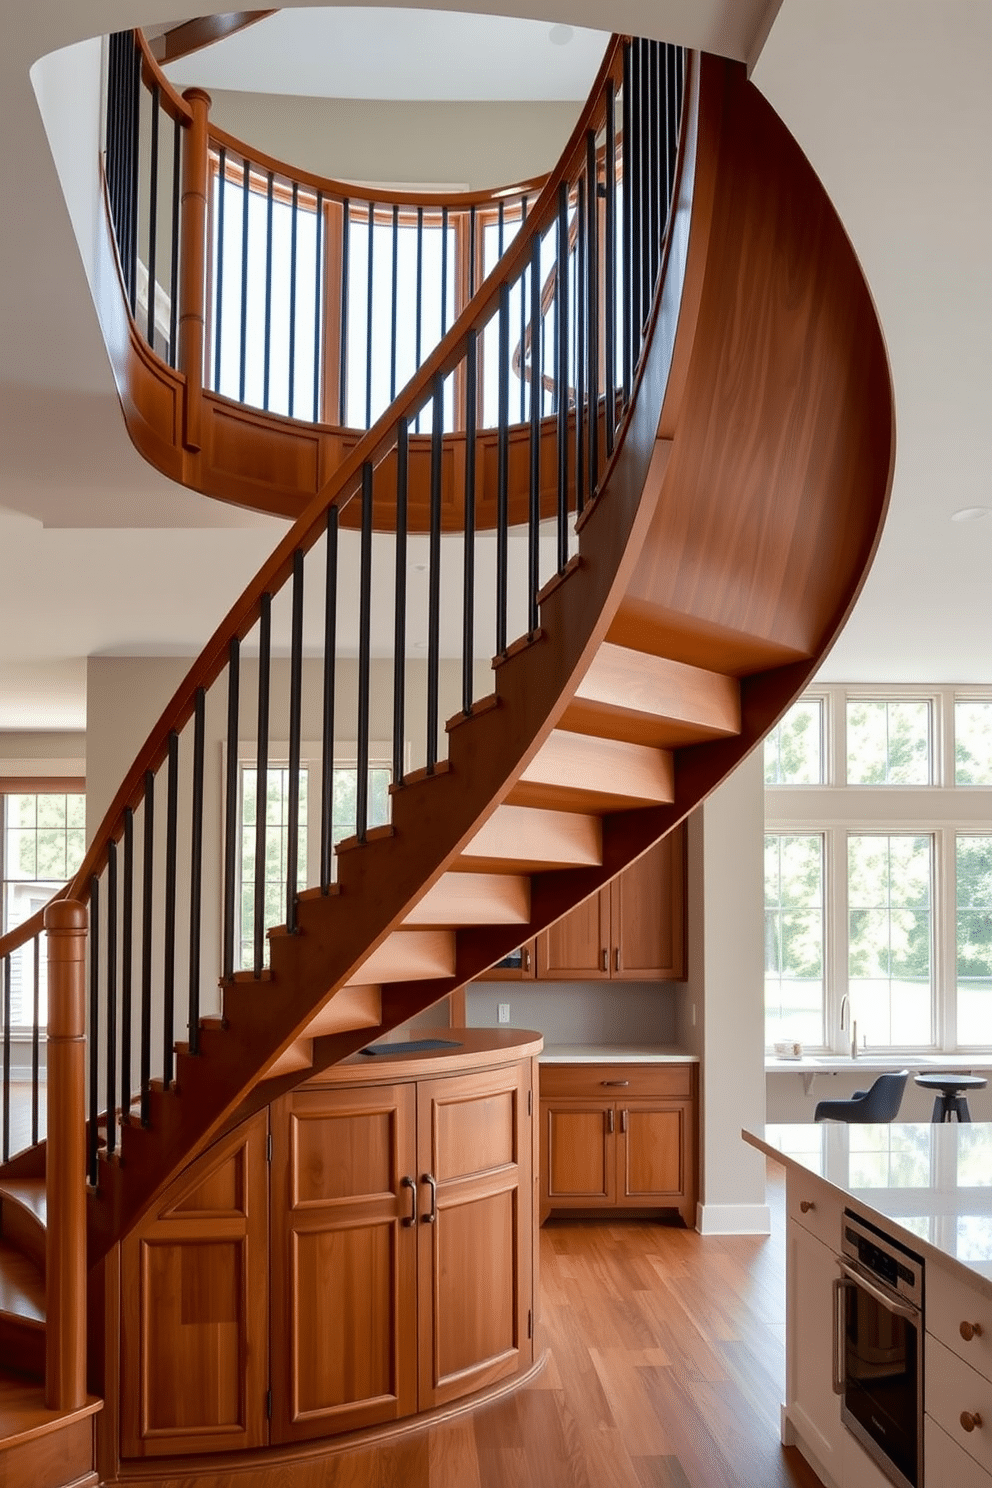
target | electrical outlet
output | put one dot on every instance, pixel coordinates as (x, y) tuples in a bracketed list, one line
[(502, 1012)]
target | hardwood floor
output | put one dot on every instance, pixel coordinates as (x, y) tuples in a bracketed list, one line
[(666, 1370)]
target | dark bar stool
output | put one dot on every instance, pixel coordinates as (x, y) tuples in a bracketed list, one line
[(951, 1100)]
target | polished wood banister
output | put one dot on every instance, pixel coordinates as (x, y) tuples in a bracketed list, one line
[(202, 31)]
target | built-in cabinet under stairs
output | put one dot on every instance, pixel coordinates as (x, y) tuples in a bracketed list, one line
[(732, 512)]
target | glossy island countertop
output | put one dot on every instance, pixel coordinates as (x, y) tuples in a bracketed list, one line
[(931, 1181), (616, 1054)]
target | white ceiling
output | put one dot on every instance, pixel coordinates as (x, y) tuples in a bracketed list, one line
[(354, 52), (99, 555)]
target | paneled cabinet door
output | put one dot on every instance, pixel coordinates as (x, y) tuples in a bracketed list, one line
[(577, 947), (648, 913), (578, 1155), (813, 1408), (656, 1157), (344, 1260), (475, 1241), (194, 1315)]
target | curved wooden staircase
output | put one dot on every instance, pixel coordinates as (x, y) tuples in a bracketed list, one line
[(726, 540)]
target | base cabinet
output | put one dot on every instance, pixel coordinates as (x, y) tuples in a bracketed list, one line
[(618, 1137), (813, 1408), (355, 1254)]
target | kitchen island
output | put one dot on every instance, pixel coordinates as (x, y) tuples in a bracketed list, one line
[(929, 1188)]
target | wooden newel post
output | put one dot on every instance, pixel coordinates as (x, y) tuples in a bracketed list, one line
[(65, 1182), (193, 263)]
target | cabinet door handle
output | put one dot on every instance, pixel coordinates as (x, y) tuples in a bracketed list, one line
[(623, 1121), (969, 1331), (526, 960), (606, 959), (839, 1330), (431, 1182), (609, 1120), (970, 1420), (615, 1082), (805, 1205), (616, 959), (409, 1183)]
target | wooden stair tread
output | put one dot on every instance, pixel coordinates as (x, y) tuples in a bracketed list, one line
[(530, 839), (586, 772), (24, 1415), (30, 1193), (648, 699), (473, 899), (22, 1290)]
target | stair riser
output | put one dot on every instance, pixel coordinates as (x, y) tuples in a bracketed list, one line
[(23, 1230), (22, 1347)]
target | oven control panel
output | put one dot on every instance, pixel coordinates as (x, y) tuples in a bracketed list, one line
[(884, 1258)]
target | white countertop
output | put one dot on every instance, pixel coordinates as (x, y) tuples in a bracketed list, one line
[(615, 1054), (833, 1064), (931, 1182)]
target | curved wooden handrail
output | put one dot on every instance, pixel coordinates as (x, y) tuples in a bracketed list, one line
[(339, 491), (191, 36)]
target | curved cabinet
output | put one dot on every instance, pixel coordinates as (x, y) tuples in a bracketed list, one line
[(361, 1250)]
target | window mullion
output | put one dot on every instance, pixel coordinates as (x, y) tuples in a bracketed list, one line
[(945, 938), (836, 909)]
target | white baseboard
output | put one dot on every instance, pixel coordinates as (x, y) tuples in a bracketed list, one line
[(733, 1219)]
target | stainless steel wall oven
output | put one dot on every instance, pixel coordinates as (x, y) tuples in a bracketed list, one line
[(878, 1348)]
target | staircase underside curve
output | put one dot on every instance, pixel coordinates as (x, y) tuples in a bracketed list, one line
[(726, 547)]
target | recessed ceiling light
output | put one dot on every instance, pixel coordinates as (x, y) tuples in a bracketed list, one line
[(561, 35), (971, 514)]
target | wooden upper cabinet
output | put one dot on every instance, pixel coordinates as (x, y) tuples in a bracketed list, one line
[(519, 966), (632, 930), (195, 1301)]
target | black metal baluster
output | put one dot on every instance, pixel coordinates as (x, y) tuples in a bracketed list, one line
[(658, 167), (232, 816), (393, 304), (627, 248), (592, 326), (536, 389), (444, 271), (243, 324), (196, 874), (147, 918), (35, 1039), (318, 308), (500, 228), (111, 1070), (522, 347), (647, 267), (262, 779), (174, 244), (267, 353), (295, 711), (92, 1130), (364, 658), (581, 318), (434, 585), (399, 607), (293, 238), (468, 522), (327, 715), (343, 361), (561, 313), (419, 317), (368, 321), (219, 266), (610, 271), (6, 1058), (169, 959), (152, 215), (127, 951), (502, 468), (135, 175)]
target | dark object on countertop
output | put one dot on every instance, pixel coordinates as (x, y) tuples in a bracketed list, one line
[(880, 1103), (415, 1046)]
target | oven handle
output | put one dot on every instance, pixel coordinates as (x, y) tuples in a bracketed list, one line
[(899, 1309), (841, 1283)]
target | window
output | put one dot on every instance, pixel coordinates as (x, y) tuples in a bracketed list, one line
[(904, 896), (44, 840), (794, 748), (888, 743), (794, 937), (343, 823)]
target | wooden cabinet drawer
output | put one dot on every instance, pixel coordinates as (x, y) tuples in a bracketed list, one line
[(616, 1082), (953, 1387), (951, 1302), (823, 1211), (946, 1462)]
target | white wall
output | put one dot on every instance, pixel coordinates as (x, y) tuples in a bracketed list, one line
[(726, 987), (471, 145), (580, 1012)]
